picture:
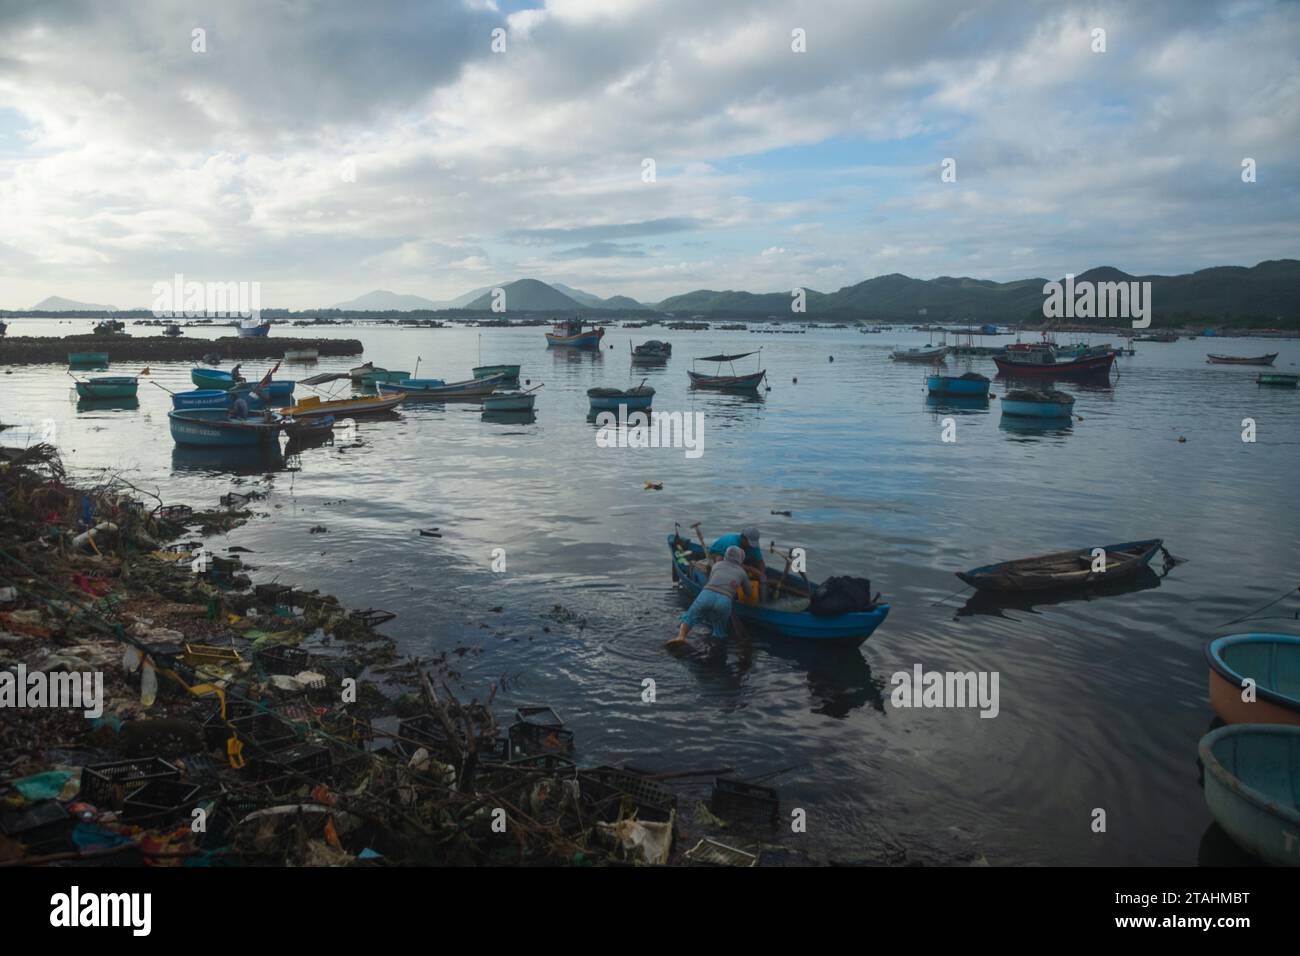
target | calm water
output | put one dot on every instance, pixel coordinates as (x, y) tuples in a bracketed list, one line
[(1102, 701)]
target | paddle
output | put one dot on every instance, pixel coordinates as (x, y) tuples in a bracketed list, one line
[(163, 387)]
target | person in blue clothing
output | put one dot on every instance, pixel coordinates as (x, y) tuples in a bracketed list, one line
[(749, 542), (713, 604)]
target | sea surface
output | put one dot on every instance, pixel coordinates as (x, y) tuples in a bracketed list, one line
[(1101, 700)]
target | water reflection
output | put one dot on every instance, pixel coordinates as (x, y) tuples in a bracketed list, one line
[(510, 418), (107, 404), (957, 404), (1028, 429), (996, 603), (227, 461)]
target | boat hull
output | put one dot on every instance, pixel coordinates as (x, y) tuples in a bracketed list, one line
[(1252, 779), (511, 372), (509, 403), (254, 331), (920, 355), (1078, 368), (955, 385), (852, 628), (353, 407), (583, 340), (1037, 573), (1240, 360), (201, 398), (116, 388), (1277, 380), (728, 383), (301, 355), (209, 378), (88, 359), (1272, 662), (470, 388), (212, 429), (371, 379)]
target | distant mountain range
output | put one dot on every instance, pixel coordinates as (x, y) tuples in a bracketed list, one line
[(1268, 294), (1270, 290), (56, 303)]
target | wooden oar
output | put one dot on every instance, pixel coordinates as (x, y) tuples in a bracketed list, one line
[(163, 387)]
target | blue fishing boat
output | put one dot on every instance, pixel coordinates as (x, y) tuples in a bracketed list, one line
[(280, 390), (1252, 787), (213, 428), (254, 329), (788, 615), (610, 399), (572, 334), (201, 398), (88, 359), (972, 384), (212, 378), (1025, 403), (1271, 662), (109, 387)]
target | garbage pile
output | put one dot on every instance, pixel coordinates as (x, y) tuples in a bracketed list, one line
[(158, 708)]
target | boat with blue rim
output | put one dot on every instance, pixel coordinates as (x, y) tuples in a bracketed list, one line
[(108, 387), (1038, 403), (437, 388), (214, 428), (787, 615), (636, 399), (971, 385), (1271, 662), (1252, 788)]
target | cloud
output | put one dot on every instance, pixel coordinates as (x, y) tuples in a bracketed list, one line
[(329, 148)]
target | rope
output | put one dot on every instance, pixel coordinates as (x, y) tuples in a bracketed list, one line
[(1250, 614)]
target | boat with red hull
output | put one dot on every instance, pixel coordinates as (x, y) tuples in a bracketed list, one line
[(1043, 360)]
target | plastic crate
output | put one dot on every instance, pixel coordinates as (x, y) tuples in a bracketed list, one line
[(197, 655), (533, 738), (425, 730), (712, 853), (557, 765), (160, 801), (540, 716), (739, 802), (612, 791), (283, 660), (106, 785), (280, 768)]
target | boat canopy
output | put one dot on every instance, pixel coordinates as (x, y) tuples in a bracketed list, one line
[(725, 358)]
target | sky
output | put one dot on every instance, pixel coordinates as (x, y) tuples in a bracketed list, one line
[(326, 149)]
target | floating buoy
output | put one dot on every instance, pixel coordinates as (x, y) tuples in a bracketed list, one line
[(832, 358), (795, 380), (654, 486)]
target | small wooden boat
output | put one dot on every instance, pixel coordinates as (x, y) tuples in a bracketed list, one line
[(122, 386), (109, 327), (972, 384), (572, 335), (511, 372), (172, 331), (788, 615), (727, 383), (1157, 337), (1047, 403), (1212, 359), (1064, 569), (202, 398), (437, 388), (254, 329), (1252, 787), (212, 358), (314, 407), (301, 355), (1041, 359), (610, 399), (88, 359), (927, 353), (510, 400), (361, 371), (208, 378), (1272, 661), (214, 428), (1280, 379), (651, 352)]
